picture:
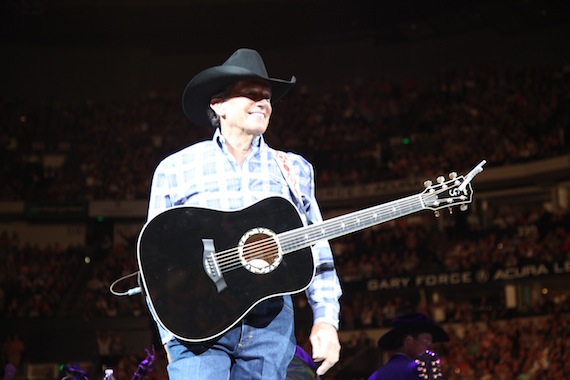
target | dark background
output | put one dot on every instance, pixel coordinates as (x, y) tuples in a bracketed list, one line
[(81, 48)]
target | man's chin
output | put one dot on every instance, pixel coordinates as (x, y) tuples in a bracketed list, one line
[(257, 129)]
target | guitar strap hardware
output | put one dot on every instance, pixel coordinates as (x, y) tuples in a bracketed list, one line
[(285, 165), (324, 267)]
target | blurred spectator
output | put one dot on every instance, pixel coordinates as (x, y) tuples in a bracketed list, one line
[(13, 350)]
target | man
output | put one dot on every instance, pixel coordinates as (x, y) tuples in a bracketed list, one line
[(411, 336), (230, 172)]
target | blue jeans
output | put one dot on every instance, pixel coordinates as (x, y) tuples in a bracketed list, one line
[(259, 347)]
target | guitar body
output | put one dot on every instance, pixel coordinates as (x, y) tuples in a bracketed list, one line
[(184, 297)]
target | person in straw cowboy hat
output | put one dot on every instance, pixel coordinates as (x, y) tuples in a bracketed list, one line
[(232, 171), (410, 336)]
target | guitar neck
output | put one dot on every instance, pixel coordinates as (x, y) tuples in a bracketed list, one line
[(457, 190), (304, 237)]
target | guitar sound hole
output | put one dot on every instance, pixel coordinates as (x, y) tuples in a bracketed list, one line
[(259, 251), (260, 256)]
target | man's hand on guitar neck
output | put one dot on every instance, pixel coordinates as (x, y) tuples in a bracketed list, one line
[(326, 346)]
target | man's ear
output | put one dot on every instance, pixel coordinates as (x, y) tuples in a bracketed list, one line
[(217, 105)]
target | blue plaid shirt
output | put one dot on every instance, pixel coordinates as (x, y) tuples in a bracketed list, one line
[(207, 175)]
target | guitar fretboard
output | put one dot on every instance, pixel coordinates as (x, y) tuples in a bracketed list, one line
[(303, 237)]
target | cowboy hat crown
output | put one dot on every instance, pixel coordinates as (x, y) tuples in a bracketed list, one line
[(411, 324), (242, 64)]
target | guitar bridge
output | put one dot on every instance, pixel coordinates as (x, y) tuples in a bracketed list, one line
[(211, 265)]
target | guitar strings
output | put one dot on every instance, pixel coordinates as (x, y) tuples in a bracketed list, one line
[(228, 260)]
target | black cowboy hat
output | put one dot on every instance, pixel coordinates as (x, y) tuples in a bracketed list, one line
[(410, 324), (242, 64)]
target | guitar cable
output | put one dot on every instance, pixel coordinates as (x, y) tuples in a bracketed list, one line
[(130, 292)]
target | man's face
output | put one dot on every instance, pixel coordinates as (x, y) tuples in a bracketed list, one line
[(245, 106), (422, 343)]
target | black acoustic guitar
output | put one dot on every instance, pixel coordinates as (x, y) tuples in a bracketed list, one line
[(204, 269)]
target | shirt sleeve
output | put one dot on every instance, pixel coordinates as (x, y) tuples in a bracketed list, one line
[(160, 197), (325, 290)]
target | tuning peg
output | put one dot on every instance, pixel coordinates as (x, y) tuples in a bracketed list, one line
[(463, 207), (428, 183), (436, 213), (450, 210), (452, 175), (440, 179)]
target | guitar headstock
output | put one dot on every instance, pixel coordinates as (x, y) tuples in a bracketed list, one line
[(428, 366), (447, 194), (455, 191)]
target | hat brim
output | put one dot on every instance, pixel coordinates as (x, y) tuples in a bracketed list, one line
[(390, 340), (199, 91)]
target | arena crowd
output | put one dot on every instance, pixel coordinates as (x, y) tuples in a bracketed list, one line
[(363, 132)]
